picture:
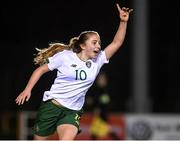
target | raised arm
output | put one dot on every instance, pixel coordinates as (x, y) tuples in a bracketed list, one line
[(26, 93), (117, 42)]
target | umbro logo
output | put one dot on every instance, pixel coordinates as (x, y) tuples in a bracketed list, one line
[(73, 65)]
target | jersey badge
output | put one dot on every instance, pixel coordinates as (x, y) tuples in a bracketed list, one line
[(88, 64)]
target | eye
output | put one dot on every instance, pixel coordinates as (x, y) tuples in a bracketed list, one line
[(94, 43)]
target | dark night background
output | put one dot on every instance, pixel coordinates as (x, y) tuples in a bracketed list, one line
[(26, 24)]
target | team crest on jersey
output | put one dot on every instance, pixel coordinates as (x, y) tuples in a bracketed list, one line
[(88, 64), (73, 65)]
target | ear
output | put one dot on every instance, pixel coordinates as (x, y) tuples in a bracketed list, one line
[(83, 46)]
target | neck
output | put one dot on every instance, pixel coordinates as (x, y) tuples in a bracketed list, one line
[(82, 57)]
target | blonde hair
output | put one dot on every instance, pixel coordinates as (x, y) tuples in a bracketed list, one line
[(43, 54)]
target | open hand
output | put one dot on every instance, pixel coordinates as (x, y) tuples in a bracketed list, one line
[(23, 96)]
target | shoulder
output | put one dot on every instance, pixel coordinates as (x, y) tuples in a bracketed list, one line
[(101, 58), (101, 55), (58, 59)]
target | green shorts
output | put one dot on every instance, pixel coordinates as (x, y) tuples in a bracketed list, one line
[(50, 116)]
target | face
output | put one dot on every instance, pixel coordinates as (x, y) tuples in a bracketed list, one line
[(92, 47)]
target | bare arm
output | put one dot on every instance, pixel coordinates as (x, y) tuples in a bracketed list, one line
[(26, 93), (117, 42)]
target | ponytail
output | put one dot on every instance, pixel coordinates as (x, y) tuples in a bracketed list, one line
[(43, 54)]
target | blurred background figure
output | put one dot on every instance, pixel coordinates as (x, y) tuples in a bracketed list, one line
[(99, 100)]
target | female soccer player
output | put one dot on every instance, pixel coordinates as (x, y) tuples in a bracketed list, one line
[(77, 65)]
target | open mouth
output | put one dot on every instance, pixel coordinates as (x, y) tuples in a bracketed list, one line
[(96, 51)]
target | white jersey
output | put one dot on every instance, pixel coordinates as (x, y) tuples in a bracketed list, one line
[(74, 78)]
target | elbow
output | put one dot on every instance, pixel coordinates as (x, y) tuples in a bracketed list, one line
[(41, 70), (117, 43)]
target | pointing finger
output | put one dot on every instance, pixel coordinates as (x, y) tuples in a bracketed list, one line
[(119, 9)]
